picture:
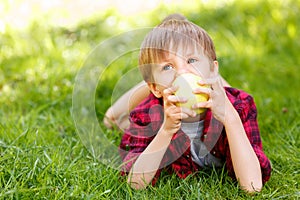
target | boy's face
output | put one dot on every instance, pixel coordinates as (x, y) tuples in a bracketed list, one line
[(171, 65)]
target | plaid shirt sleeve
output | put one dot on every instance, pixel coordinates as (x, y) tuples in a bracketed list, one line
[(145, 122), (245, 106)]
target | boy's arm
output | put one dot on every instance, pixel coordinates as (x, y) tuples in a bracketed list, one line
[(118, 113), (248, 114), (147, 164), (245, 162)]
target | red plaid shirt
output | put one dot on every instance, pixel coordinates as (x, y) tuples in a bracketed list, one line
[(146, 120)]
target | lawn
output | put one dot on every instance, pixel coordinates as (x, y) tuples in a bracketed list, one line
[(43, 152)]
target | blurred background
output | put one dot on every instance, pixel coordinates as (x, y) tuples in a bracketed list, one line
[(43, 45)]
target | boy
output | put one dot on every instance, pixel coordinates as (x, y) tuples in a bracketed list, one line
[(164, 136), (118, 114)]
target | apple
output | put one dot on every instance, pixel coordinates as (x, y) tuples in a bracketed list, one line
[(187, 82)]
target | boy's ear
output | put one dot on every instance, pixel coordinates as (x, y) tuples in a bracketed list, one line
[(215, 68), (216, 65), (155, 90)]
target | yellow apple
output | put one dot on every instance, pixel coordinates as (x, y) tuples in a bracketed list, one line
[(187, 82)]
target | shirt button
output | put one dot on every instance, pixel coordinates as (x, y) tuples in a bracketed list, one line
[(187, 156), (205, 136), (214, 152)]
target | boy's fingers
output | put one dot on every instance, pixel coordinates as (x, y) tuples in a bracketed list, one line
[(170, 90), (204, 104), (176, 99), (204, 90), (183, 115), (187, 112), (209, 81), (181, 112), (215, 84)]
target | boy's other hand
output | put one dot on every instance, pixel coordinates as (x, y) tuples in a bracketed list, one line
[(217, 100), (172, 113)]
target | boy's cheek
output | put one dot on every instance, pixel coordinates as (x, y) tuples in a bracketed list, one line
[(164, 80)]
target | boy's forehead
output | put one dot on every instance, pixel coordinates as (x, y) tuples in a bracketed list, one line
[(181, 52)]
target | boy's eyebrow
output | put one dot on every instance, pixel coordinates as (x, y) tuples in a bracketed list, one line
[(192, 54), (166, 58)]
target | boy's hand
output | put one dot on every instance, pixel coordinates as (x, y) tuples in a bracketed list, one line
[(172, 113), (217, 101)]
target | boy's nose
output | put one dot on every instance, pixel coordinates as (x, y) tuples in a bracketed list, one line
[(183, 68)]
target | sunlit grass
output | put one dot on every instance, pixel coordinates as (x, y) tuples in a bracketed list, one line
[(41, 154)]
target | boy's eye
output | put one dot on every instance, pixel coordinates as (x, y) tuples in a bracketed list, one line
[(167, 67), (192, 60)]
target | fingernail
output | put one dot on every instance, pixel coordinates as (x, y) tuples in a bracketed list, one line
[(201, 82), (184, 99), (194, 114)]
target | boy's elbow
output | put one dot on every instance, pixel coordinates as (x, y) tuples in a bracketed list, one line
[(252, 182), (137, 183), (253, 187), (137, 186)]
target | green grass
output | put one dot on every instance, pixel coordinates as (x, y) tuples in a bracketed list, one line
[(41, 154)]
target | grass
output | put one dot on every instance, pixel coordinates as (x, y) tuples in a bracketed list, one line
[(43, 157)]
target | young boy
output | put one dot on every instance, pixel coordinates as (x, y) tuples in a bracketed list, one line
[(164, 136), (118, 113)]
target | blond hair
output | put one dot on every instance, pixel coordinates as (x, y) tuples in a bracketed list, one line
[(168, 37), (174, 16)]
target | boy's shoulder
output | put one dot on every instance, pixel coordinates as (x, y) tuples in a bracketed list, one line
[(237, 95), (148, 111), (242, 101)]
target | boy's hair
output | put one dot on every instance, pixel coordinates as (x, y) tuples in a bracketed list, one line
[(168, 37), (175, 16)]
